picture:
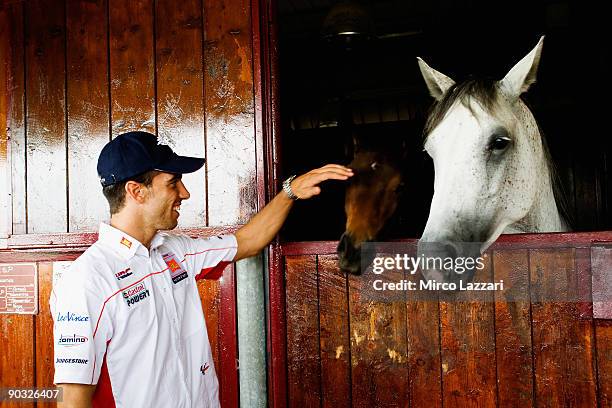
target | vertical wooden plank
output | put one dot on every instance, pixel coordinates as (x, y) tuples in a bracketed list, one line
[(603, 331), (132, 67), (303, 359), (562, 341), (513, 329), (5, 60), (601, 289), (468, 346), (334, 336), (46, 116), (180, 99), (378, 347), (230, 132), (13, 46), (210, 296), (227, 333), (423, 338), (88, 110), (44, 331), (17, 361)]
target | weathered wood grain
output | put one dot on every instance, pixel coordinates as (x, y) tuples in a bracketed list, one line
[(229, 104), (334, 336), (13, 45), (303, 343), (378, 347), (44, 331), (210, 295), (46, 117), (132, 66), (513, 329), (603, 331), (180, 99), (88, 110), (562, 340), (423, 338), (468, 346), (17, 360)]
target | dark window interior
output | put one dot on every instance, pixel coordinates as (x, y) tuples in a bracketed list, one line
[(332, 89)]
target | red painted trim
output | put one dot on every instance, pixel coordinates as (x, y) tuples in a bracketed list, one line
[(38, 255), (259, 105), (277, 331), (82, 240), (522, 241), (228, 340), (276, 338)]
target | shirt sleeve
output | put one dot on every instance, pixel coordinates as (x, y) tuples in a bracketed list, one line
[(80, 335), (208, 257)]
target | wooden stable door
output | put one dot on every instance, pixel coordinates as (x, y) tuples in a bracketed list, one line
[(77, 73), (502, 350)]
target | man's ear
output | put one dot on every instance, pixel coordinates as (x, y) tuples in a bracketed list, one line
[(523, 74), (135, 191)]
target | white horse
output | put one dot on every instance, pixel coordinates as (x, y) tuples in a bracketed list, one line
[(492, 170)]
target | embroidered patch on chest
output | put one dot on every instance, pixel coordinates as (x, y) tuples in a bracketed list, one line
[(135, 294), (176, 271)]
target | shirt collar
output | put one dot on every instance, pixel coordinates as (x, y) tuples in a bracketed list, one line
[(125, 244)]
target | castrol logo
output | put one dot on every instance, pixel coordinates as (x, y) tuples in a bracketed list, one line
[(134, 290)]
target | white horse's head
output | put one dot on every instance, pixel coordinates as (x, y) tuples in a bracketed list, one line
[(491, 168)]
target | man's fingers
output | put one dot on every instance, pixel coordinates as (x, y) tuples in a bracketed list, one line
[(338, 167), (329, 175)]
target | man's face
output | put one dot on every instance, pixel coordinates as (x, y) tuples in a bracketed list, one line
[(163, 201)]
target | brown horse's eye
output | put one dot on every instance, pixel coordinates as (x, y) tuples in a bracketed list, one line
[(374, 165)]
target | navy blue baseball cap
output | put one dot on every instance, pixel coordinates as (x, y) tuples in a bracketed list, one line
[(134, 153)]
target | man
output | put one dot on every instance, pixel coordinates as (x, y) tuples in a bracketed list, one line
[(127, 314)]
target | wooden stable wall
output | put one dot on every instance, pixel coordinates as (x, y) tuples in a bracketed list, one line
[(80, 72), (76, 73), (26, 357), (344, 349)]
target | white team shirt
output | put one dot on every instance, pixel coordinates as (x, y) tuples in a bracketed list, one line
[(139, 312)]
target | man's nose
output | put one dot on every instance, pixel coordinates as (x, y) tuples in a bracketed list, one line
[(183, 192)]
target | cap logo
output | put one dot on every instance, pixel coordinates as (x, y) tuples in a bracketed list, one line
[(126, 242)]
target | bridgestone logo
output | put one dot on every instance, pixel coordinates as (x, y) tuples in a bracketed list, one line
[(135, 294), (70, 361)]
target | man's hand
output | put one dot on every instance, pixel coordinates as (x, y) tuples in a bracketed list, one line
[(306, 185), (264, 226)]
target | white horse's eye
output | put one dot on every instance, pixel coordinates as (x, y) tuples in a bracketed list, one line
[(499, 143), (374, 166)]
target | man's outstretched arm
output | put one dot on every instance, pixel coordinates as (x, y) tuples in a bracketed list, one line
[(264, 226), (76, 395)]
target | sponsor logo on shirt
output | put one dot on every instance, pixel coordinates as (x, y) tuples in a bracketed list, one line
[(203, 368), (126, 242), (135, 294), (70, 341), (71, 317), (70, 361), (123, 274), (176, 271)]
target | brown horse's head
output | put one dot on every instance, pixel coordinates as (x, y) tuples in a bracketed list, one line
[(371, 199)]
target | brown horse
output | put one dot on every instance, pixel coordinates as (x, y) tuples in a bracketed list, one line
[(371, 197)]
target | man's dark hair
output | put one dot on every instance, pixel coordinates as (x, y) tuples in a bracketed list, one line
[(115, 193)]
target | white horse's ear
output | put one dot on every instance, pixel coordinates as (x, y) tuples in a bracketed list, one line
[(523, 74), (437, 82)]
